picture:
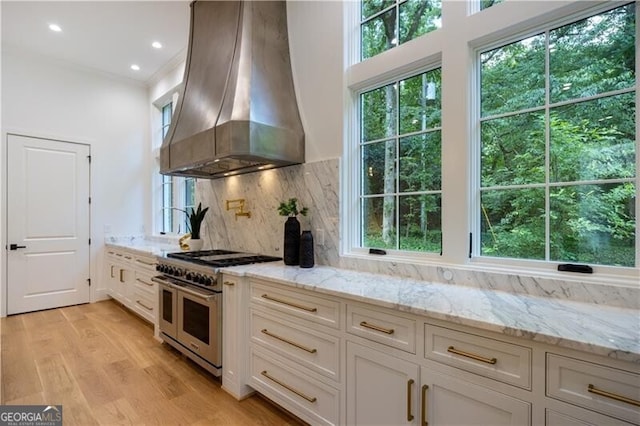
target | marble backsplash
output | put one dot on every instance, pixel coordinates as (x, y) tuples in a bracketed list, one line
[(316, 185)]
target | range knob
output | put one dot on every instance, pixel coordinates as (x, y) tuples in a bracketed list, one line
[(189, 276), (179, 272), (208, 281), (159, 268)]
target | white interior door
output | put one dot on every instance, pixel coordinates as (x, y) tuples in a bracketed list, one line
[(48, 224)]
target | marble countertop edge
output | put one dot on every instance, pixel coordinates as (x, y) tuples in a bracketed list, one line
[(591, 328)]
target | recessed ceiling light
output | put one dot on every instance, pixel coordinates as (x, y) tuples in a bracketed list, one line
[(55, 27), (135, 67), (157, 45)]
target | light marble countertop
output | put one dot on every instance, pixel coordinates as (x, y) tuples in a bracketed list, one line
[(602, 330), (145, 246)]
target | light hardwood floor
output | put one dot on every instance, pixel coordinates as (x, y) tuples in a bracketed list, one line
[(102, 364)]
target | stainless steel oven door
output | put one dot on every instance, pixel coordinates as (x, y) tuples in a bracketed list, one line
[(199, 322), (168, 304)]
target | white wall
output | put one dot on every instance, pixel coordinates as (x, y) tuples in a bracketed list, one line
[(316, 44), (44, 98)]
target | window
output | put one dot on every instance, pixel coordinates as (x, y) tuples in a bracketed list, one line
[(388, 23), (177, 193), (488, 3), (400, 157), (558, 144), (504, 139)]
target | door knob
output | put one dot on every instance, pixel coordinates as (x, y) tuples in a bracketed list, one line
[(15, 247)]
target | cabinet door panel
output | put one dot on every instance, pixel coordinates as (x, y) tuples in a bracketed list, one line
[(378, 388), (450, 401)]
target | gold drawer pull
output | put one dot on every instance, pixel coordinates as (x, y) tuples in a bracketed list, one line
[(377, 327), (121, 275), (144, 282), (289, 388), (144, 306), (472, 356), (229, 283), (423, 419), (128, 257), (112, 276), (410, 383), (297, 345), (284, 302), (145, 263), (591, 388)]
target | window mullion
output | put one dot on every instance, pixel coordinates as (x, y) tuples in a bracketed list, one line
[(547, 151)]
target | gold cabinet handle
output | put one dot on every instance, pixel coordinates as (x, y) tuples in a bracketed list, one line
[(144, 306), (453, 350), (118, 254), (112, 276), (121, 275), (423, 416), (289, 388), (128, 257), (410, 383), (145, 263), (229, 283), (284, 302), (377, 327), (292, 343), (591, 388), (144, 282)]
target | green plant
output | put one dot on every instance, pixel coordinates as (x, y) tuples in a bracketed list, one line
[(290, 208), (195, 220)]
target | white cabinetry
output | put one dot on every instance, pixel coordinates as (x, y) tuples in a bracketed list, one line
[(447, 400), (330, 360), (128, 278), (387, 387), (381, 389), (295, 351), (235, 341), (597, 387)]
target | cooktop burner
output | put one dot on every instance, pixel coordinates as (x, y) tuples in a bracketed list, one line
[(222, 258)]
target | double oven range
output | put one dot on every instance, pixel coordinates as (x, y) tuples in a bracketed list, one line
[(190, 291)]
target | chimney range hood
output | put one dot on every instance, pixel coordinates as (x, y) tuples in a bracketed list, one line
[(237, 111)]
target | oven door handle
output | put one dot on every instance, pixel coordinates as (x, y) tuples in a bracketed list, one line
[(206, 297)]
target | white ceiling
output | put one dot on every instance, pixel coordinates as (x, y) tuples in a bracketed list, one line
[(107, 36)]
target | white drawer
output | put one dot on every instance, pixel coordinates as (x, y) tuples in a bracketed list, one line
[(379, 326), (143, 283), (296, 303), (491, 358), (587, 418), (145, 263), (313, 349), (307, 398), (593, 386), (144, 309), (144, 303)]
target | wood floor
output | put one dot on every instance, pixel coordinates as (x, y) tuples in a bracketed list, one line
[(102, 364)]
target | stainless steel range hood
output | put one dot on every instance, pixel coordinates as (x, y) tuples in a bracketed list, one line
[(237, 112)]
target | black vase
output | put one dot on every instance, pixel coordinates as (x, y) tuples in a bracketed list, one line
[(306, 250), (292, 241)]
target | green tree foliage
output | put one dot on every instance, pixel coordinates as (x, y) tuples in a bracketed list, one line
[(589, 159), (558, 142)]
